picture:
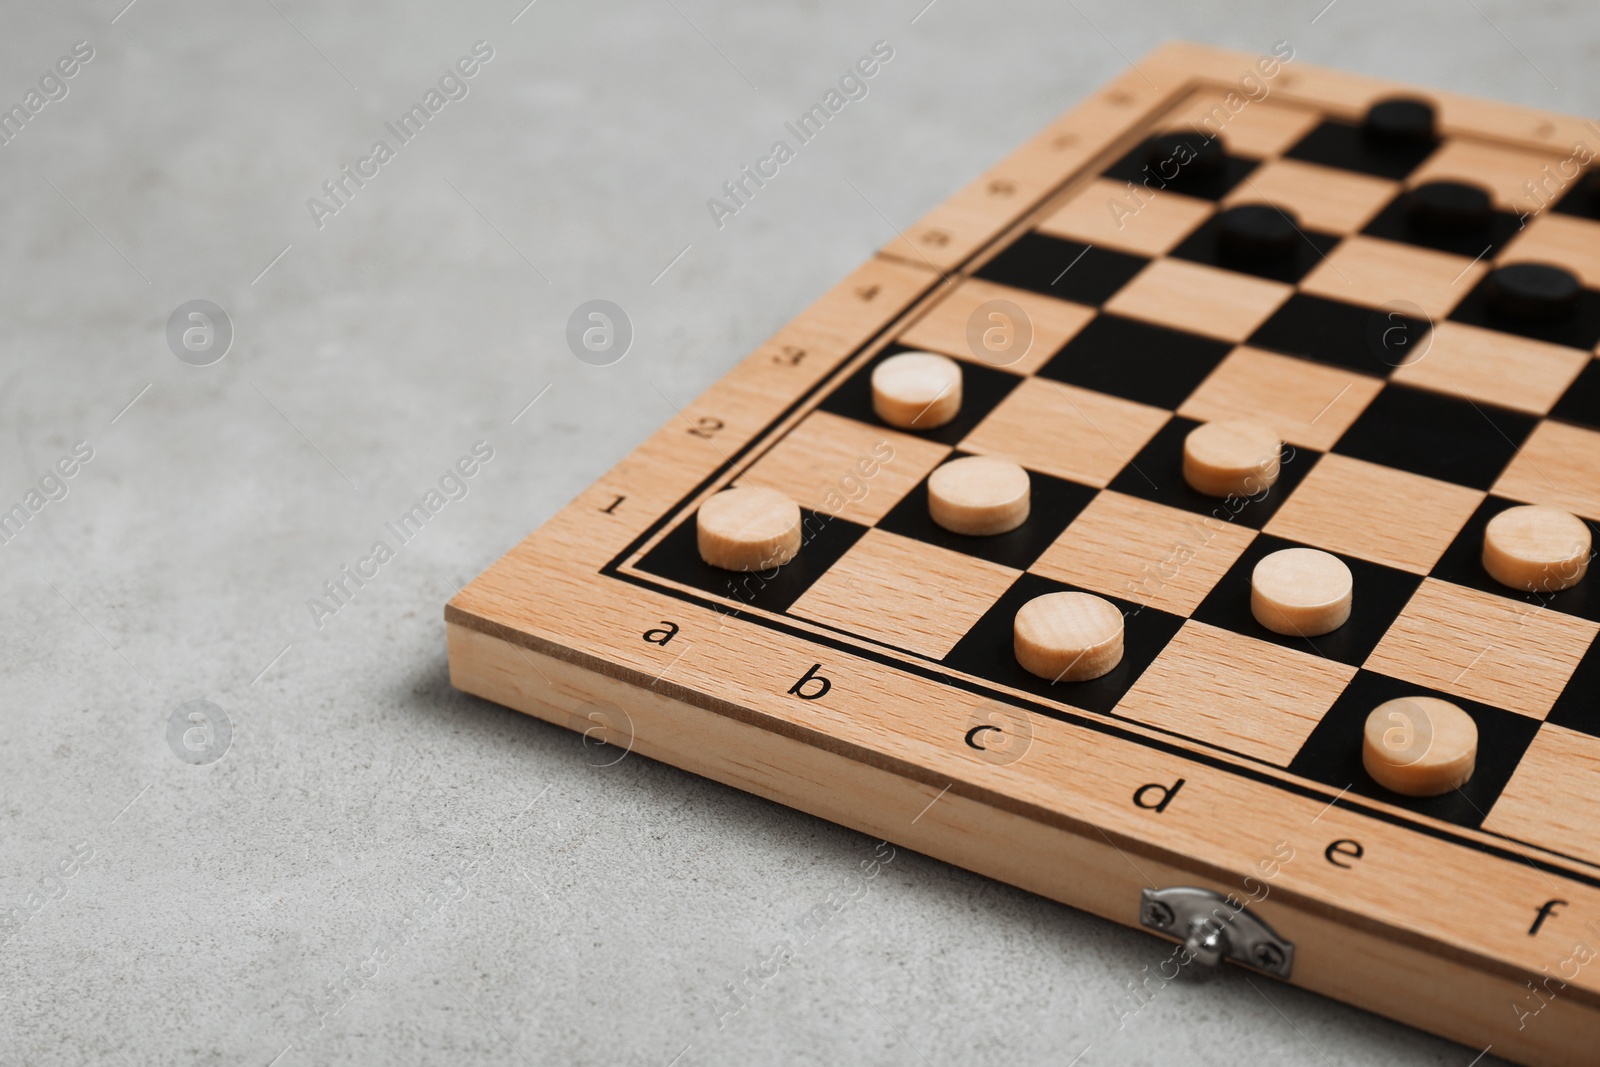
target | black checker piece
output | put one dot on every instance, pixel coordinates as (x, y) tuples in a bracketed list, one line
[(1257, 239), (1537, 300), (1450, 217), (1188, 163), (1396, 136)]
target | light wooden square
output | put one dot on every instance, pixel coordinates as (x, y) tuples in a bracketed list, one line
[(1484, 647), (1225, 689), (1501, 170), (1556, 465), (905, 593), (1565, 240), (1144, 221), (1138, 550), (1494, 367), (1376, 513), (1200, 299), (1322, 198), (1256, 128), (1310, 404), (1373, 272), (836, 465), (1550, 798), (1066, 431), (948, 327)]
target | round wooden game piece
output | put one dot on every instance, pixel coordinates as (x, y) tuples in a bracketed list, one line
[(979, 496), (1301, 592), (1231, 457), (917, 390), (1400, 120), (1536, 549), (1449, 207), (1069, 637), (1419, 746), (1256, 233), (748, 529), (1184, 159), (1533, 292)]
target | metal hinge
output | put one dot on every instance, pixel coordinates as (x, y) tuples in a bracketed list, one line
[(1213, 929)]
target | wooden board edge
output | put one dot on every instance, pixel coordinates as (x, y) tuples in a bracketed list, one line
[(1369, 968), (1030, 176), (1347, 94)]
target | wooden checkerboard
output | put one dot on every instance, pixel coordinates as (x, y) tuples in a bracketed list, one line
[(871, 681)]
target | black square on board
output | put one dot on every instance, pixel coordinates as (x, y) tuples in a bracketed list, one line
[(1392, 224), (1156, 474), (1582, 197), (1579, 329), (1136, 360), (825, 539), (1339, 144), (1065, 269), (1445, 437), (1369, 340), (1332, 754), (982, 388), (989, 648), (1462, 564), (1053, 504), (1201, 247), (1578, 706), (1380, 594), (1581, 402), (1135, 167)]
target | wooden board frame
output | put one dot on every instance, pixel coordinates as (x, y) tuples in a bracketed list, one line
[(1431, 925)]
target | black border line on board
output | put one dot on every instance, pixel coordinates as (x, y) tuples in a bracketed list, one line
[(1073, 718), (612, 569)]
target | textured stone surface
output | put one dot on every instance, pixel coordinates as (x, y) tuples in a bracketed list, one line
[(605, 909)]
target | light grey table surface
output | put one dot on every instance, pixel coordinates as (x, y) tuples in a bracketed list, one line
[(379, 869)]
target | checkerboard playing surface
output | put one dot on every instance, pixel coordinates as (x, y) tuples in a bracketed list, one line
[(1098, 320)]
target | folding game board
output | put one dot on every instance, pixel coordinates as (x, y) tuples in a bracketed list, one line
[(871, 680)]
